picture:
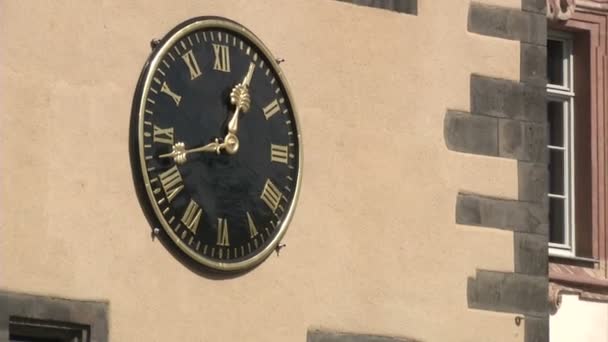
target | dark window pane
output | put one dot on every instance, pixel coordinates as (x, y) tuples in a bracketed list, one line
[(555, 57), (406, 6), (556, 123), (22, 329), (16, 338), (556, 221), (556, 172)]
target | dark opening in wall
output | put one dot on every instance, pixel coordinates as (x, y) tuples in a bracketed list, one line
[(403, 6), (34, 318), (30, 329)]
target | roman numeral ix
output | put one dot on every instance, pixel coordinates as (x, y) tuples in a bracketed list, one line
[(163, 135)]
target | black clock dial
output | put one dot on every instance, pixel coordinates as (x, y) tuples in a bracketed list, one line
[(219, 143)]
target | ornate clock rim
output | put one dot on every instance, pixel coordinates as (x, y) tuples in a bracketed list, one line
[(180, 31)]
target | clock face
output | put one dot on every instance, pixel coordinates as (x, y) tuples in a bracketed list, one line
[(218, 144)]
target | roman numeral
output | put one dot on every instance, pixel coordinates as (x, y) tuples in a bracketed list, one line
[(278, 153), (222, 58), (271, 109), (163, 135), (222, 232), (271, 195), (171, 181), (190, 61), (192, 216), (253, 231), (165, 89)]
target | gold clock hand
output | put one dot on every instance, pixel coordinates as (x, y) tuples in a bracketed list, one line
[(239, 96), (179, 152)]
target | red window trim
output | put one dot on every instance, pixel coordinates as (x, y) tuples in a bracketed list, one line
[(591, 18)]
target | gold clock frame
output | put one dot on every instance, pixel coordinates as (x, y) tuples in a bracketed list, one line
[(163, 47)]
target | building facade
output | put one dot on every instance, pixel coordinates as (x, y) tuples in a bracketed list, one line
[(424, 211)]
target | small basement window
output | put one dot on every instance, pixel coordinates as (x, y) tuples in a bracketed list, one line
[(403, 6), (23, 329)]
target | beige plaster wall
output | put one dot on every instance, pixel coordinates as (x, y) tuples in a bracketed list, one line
[(579, 320), (372, 88)]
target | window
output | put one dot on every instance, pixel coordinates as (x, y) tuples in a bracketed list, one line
[(23, 329), (577, 109), (560, 115), (576, 130), (34, 318), (404, 6)]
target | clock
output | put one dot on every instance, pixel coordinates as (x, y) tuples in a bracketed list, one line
[(216, 149)]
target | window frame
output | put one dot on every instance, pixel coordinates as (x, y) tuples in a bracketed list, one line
[(565, 94)]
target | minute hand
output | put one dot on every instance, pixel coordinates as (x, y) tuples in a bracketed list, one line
[(241, 99)]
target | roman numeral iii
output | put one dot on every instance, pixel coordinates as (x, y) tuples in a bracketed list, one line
[(222, 232), (279, 153), (222, 58), (271, 195), (171, 181), (193, 67), (163, 135), (192, 216)]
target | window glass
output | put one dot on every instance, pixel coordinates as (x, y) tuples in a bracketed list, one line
[(14, 338), (22, 329), (556, 123), (556, 172), (555, 62), (556, 220)]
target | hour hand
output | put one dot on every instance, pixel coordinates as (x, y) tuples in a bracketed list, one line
[(179, 152)]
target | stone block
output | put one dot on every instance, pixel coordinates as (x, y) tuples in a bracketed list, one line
[(536, 6), (508, 292), (531, 253), (537, 329), (490, 212), (507, 23), (507, 99), (535, 103), (468, 133), (525, 141), (534, 64), (533, 181)]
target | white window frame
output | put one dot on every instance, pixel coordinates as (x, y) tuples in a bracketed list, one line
[(565, 94)]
